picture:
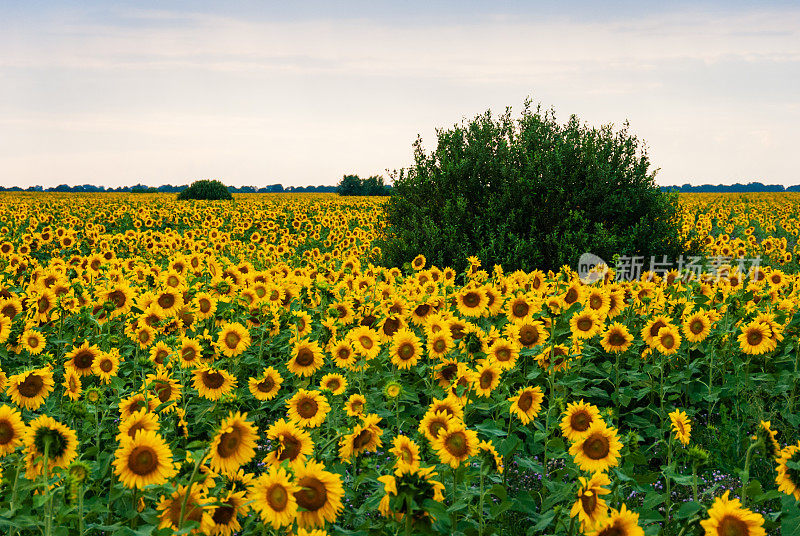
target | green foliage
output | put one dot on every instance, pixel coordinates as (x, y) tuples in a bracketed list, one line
[(529, 193), (353, 185), (205, 189)]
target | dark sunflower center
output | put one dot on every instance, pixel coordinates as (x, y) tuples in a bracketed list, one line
[(655, 327), (6, 432), (205, 305), (456, 444), (696, 327), (668, 341), (422, 310), (232, 340), (584, 323), (616, 339), (472, 299), (43, 303), (313, 496), (33, 342), (503, 355), (290, 448), (142, 461), (307, 408), (571, 296), (223, 514), (520, 309), (334, 384), (343, 354), (32, 386), (58, 443), (229, 443), (589, 502), (406, 351), (732, 526), (84, 359), (525, 401), (166, 301), (106, 365), (528, 335), (754, 337), (362, 439), (391, 326), (305, 357), (435, 427), (596, 447), (439, 345), (144, 335), (366, 342), (213, 380), (163, 390), (117, 298), (595, 302), (266, 385), (486, 379), (580, 421), (613, 530)]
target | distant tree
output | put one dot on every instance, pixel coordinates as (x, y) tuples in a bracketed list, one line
[(207, 190)]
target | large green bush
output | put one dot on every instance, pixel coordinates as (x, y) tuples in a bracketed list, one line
[(529, 193), (210, 190)]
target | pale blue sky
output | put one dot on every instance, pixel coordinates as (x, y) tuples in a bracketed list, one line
[(257, 93)]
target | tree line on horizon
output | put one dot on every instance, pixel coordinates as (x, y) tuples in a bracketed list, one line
[(168, 188)]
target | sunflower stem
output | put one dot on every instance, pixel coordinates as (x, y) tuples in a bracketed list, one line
[(16, 482), (694, 481), (454, 515), (746, 470), (571, 526), (189, 485), (81, 522), (794, 382), (668, 506), (48, 522), (480, 508), (616, 391)]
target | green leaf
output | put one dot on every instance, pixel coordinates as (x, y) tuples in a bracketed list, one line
[(688, 509)]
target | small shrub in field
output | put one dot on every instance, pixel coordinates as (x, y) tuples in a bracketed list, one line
[(205, 189), (529, 193)]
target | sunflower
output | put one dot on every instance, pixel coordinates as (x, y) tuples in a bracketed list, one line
[(307, 358), (226, 514), (106, 365), (471, 301), (419, 262), (578, 418), (335, 383), (355, 405), (771, 446), (490, 455), (455, 444), (406, 349), (366, 342), (197, 508), (168, 301), (620, 522), (668, 340), (451, 405), (266, 386), (204, 305), (29, 389), (140, 420), (585, 324), (5, 328), (527, 333), (520, 307), (365, 437), (319, 496), (652, 327), (433, 423), (406, 452), (526, 403), (294, 444), (213, 384), (81, 359), (33, 341), (599, 301), (190, 353), (308, 408), (729, 517), (487, 377), (12, 430), (272, 495), (590, 508), (144, 335), (165, 389), (439, 344), (681, 426), (143, 459), (72, 385), (233, 339), (756, 339), (788, 479), (134, 403), (48, 438), (598, 450), (504, 353), (616, 338), (445, 372), (697, 326), (159, 353), (234, 444)]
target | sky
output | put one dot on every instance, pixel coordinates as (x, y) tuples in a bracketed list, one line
[(258, 93)]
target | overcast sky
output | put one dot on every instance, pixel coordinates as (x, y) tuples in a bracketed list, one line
[(117, 93)]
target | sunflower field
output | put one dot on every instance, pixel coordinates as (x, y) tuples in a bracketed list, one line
[(173, 367)]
